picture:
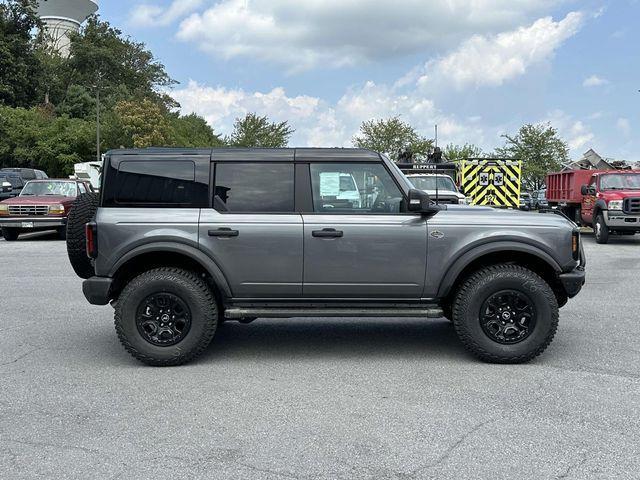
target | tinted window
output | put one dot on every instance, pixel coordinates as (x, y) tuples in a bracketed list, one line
[(254, 187), (157, 183), (354, 188)]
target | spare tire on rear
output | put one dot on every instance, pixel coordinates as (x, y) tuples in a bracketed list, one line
[(82, 212)]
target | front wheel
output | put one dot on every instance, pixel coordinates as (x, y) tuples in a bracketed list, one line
[(505, 314), (601, 230), (166, 316)]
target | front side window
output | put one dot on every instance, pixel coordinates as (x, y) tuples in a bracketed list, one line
[(260, 187), (620, 182), (428, 183), (353, 188)]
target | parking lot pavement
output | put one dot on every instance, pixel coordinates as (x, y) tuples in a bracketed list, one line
[(315, 398)]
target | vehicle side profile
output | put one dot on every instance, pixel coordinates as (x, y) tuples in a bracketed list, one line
[(180, 240)]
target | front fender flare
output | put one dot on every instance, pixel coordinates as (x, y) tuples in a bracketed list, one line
[(475, 252), (175, 247)]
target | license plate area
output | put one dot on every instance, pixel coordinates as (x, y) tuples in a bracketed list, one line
[(27, 224)]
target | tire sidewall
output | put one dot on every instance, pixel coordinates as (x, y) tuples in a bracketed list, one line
[(532, 286), (137, 291), (601, 227)]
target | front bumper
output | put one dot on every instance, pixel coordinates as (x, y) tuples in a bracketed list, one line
[(28, 223), (618, 220), (97, 289), (573, 281)]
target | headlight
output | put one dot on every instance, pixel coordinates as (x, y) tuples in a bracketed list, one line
[(615, 204), (56, 209), (462, 201), (4, 209)]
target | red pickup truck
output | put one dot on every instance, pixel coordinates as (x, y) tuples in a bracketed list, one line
[(607, 200), (41, 205)]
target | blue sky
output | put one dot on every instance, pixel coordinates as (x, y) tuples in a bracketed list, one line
[(478, 68)]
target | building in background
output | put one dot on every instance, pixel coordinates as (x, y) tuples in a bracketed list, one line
[(60, 17)]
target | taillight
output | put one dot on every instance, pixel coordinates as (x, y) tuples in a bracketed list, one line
[(91, 231), (575, 244)]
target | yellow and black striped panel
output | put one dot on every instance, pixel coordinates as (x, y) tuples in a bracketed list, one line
[(495, 183)]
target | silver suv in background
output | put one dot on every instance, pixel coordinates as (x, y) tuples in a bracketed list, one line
[(180, 240)]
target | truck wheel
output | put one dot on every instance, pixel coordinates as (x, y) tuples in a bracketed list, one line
[(10, 234), (601, 230), (505, 314), (82, 212), (166, 316)]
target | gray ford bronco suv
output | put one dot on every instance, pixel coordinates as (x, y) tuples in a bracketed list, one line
[(180, 240)]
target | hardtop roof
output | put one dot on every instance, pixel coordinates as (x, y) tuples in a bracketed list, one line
[(231, 154)]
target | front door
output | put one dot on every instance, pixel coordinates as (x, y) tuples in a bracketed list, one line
[(252, 232), (357, 240), (588, 203)]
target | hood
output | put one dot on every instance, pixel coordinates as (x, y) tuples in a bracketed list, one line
[(494, 217), (619, 194), (450, 193), (40, 200)]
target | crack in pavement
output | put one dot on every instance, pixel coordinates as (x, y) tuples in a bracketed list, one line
[(571, 467), (20, 357)]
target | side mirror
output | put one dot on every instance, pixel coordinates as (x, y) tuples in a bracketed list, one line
[(587, 190), (420, 202)]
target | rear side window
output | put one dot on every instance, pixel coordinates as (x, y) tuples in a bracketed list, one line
[(155, 183), (254, 187)]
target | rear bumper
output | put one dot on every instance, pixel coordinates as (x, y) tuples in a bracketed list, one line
[(38, 222), (97, 289)]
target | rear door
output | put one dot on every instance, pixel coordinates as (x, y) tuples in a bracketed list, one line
[(252, 230), (365, 247)]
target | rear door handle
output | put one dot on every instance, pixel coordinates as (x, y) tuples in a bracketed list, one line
[(327, 233), (223, 232)]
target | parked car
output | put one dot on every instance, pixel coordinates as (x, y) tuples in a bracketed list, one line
[(525, 201), (447, 192), (607, 200), (26, 173), (180, 239), (10, 185), (539, 199), (41, 205)]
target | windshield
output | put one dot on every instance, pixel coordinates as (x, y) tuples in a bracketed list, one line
[(65, 189), (429, 183), (627, 181)]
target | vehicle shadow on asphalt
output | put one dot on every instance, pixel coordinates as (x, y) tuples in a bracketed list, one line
[(335, 338)]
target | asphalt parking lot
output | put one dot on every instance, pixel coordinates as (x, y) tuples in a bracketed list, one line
[(315, 398)]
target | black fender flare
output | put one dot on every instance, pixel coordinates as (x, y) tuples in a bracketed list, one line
[(175, 247), (600, 206), (475, 252)]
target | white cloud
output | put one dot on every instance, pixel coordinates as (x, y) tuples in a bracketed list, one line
[(491, 61), (576, 133), (302, 35), (594, 81), (148, 15), (623, 125)]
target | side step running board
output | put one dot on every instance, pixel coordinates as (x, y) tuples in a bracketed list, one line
[(242, 312)]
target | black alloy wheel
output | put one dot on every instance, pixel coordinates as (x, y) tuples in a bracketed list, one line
[(508, 317), (163, 319)]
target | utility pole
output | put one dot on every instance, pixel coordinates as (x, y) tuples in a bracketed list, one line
[(436, 128), (98, 124)]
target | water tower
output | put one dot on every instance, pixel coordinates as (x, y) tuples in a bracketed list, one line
[(60, 17)]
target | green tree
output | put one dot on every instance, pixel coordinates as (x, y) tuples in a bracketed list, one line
[(143, 124), (455, 153), (391, 137), (540, 149), (192, 131), (19, 62), (256, 131)]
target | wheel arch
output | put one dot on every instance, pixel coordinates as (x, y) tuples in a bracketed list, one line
[(167, 254), (518, 253)]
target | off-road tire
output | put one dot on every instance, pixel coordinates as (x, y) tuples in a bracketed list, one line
[(10, 234), (82, 212), (481, 285), (185, 284), (601, 231)]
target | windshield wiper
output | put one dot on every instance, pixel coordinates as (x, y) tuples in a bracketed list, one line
[(26, 194)]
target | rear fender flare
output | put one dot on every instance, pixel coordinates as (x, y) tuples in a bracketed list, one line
[(174, 247)]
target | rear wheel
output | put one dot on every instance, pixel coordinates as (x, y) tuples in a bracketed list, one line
[(166, 316), (505, 314), (601, 230), (10, 234)]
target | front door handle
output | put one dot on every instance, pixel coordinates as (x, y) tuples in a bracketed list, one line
[(223, 232), (327, 233)]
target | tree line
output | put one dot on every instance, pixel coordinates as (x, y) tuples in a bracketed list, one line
[(49, 107)]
